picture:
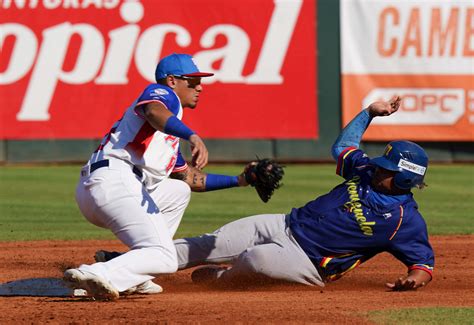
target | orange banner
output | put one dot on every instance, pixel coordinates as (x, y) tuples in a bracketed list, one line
[(422, 51)]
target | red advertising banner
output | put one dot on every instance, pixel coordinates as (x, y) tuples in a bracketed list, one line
[(70, 68), (421, 50)]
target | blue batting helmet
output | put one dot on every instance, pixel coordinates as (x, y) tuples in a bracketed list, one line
[(406, 158)]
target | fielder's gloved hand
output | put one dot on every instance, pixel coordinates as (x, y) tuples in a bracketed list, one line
[(265, 175)]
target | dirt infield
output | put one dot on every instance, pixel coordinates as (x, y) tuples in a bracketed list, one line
[(344, 301)]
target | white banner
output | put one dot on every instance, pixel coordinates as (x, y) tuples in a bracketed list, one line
[(410, 37)]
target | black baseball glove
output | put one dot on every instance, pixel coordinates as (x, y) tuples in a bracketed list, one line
[(265, 175)]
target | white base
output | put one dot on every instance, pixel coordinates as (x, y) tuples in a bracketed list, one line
[(39, 287)]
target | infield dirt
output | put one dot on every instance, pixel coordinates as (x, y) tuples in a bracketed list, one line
[(342, 302)]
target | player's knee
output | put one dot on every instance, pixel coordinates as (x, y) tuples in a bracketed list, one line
[(186, 191), (182, 191), (172, 262), (172, 267), (255, 260), (165, 260)]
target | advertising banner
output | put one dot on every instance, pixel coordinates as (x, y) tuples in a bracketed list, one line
[(70, 68), (420, 50)]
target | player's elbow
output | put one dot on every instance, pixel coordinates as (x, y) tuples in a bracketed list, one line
[(336, 151)]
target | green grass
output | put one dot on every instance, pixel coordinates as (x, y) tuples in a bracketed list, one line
[(38, 202), (447, 203), (425, 316)]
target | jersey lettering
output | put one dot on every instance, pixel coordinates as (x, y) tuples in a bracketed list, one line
[(174, 141), (171, 164), (354, 206)]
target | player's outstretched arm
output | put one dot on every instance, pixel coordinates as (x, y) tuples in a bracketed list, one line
[(384, 108), (264, 174), (414, 280), (200, 181), (351, 135)]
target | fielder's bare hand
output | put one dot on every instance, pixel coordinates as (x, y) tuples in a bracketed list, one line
[(199, 151), (384, 108)]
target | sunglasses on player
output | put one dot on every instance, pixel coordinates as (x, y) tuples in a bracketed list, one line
[(193, 82)]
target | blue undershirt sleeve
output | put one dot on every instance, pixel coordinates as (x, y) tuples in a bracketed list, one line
[(177, 128), (351, 135), (217, 182)]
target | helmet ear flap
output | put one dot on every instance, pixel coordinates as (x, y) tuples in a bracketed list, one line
[(403, 182)]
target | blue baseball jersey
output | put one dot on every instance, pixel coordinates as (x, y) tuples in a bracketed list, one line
[(353, 223)]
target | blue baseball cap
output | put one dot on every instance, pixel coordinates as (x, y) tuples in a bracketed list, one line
[(178, 65)]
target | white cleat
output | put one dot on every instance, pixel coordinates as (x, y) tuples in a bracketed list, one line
[(95, 286), (146, 288)]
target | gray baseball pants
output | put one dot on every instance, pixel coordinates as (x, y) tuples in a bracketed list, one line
[(260, 245)]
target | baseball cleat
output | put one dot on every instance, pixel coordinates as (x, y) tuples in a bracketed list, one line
[(104, 256), (95, 286), (146, 288), (208, 274)]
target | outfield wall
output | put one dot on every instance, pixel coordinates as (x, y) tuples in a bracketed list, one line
[(261, 122)]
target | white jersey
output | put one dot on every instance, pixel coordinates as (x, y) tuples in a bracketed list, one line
[(133, 140)]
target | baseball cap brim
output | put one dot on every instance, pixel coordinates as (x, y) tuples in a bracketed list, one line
[(384, 163), (198, 74)]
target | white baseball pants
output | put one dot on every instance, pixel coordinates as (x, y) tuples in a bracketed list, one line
[(256, 246), (113, 197)]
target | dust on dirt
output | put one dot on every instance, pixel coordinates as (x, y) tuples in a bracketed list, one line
[(345, 301)]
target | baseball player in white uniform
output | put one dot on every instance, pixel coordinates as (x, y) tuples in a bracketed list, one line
[(138, 185)]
